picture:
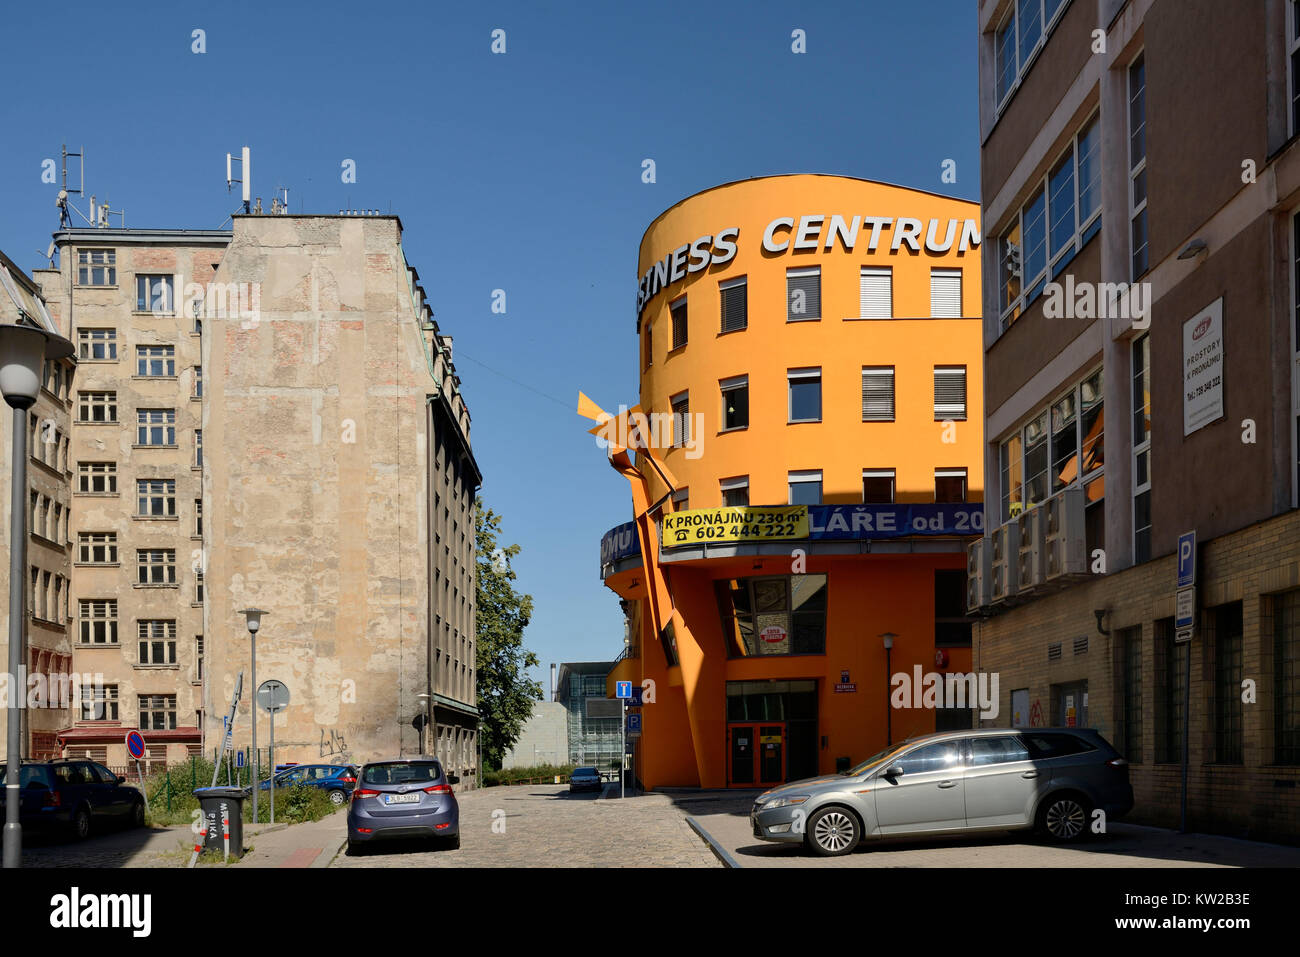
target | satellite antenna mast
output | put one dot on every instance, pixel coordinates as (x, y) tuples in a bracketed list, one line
[(245, 180), (65, 220)]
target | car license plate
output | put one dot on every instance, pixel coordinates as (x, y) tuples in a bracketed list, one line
[(402, 798)]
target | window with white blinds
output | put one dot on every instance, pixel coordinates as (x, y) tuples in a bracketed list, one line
[(735, 304), (877, 393), (945, 293), (678, 311), (876, 293), (681, 406), (949, 393), (803, 296), (735, 492)]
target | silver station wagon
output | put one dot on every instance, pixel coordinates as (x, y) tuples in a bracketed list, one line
[(954, 782)]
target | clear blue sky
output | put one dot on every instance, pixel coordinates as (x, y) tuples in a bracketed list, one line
[(519, 172)]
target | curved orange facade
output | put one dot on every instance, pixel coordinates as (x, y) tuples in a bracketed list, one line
[(811, 340)]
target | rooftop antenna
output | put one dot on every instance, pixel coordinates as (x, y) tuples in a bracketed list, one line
[(105, 212), (245, 180), (64, 204), (281, 205)]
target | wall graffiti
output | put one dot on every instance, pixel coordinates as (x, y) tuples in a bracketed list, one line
[(335, 746), (1036, 715)]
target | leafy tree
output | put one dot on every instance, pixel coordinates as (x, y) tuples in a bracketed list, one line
[(505, 692)]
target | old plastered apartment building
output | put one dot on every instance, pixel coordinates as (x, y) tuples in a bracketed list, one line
[(266, 416), (135, 466), (48, 587), (1149, 144)]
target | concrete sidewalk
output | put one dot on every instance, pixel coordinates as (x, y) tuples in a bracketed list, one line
[(312, 844)]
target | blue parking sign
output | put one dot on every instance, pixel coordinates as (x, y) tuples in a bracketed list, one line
[(1186, 559), (622, 689), (634, 723)]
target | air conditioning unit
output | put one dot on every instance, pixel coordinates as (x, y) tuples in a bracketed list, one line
[(1032, 549), (977, 575), (1004, 563), (1066, 544)]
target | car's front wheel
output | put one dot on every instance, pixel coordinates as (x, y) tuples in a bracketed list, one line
[(337, 798), (137, 814), (832, 831), (1064, 818)]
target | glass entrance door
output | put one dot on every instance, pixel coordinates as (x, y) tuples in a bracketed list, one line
[(740, 755), (771, 753), (755, 755)]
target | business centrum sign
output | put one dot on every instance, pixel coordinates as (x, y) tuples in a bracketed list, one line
[(809, 232)]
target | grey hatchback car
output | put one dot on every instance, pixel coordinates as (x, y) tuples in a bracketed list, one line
[(1002, 779), (403, 798)]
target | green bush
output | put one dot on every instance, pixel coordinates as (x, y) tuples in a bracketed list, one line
[(292, 805), (514, 775)]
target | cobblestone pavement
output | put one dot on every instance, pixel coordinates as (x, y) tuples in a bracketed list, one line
[(1127, 845), (545, 826), (108, 847)]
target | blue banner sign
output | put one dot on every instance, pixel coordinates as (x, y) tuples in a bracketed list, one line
[(618, 543), (864, 522)]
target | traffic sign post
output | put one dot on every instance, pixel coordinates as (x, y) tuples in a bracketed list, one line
[(623, 691), (272, 696), (135, 748)]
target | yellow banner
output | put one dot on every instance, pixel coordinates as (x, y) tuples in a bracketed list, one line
[(696, 526)]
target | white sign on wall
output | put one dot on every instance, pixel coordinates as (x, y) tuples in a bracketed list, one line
[(1203, 367)]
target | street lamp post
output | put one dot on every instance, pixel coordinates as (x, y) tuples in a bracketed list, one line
[(425, 736), (253, 619), (888, 638), (23, 353)]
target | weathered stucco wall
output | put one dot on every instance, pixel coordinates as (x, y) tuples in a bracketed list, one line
[(314, 428)]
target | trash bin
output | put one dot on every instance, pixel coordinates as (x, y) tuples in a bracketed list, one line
[(222, 804)]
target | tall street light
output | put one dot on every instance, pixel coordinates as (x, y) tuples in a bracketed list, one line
[(888, 638), (23, 352), (253, 618)]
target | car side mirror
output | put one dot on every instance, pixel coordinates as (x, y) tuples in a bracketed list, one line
[(120, 779), (893, 771)]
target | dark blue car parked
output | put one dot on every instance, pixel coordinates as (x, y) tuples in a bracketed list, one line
[(338, 780), (69, 795)]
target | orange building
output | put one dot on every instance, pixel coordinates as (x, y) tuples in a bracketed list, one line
[(813, 344)]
